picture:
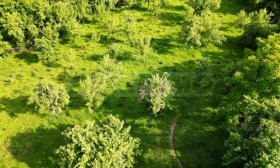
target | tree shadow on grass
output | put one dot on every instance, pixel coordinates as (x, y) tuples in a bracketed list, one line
[(170, 18), (27, 57), (76, 100), (37, 147), (198, 135), (175, 8), (15, 106), (162, 45), (51, 64)]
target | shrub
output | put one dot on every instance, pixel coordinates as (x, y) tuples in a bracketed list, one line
[(49, 96), (201, 30), (93, 87), (143, 49), (158, 91), (106, 145)]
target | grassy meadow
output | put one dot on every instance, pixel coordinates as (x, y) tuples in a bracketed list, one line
[(29, 138)]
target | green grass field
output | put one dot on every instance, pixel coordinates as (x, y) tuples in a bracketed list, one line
[(29, 138)]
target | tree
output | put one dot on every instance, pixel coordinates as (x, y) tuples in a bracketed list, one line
[(201, 30), (93, 87), (143, 48), (257, 25), (201, 6), (49, 96), (271, 5), (252, 108), (258, 73), (106, 145), (157, 91), (130, 27), (254, 138), (14, 26)]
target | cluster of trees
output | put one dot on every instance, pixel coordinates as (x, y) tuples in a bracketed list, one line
[(201, 27), (108, 144), (38, 24), (157, 90), (41, 24), (252, 107)]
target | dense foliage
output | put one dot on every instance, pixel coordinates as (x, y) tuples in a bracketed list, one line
[(158, 91), (37, 24), (108, 144), (253, 108), (49, 96), (271, 5), (200, 30), (255, 24)]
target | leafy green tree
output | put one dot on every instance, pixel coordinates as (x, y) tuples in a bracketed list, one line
[(201, 6), (157, 91), (93, 90), (130, 27), (201, 30), (13, 24), (93, 87), (254, 138), (108, 144), (49, 96), (45, 45), (110, 69), (259, 72), (143, 48), (243, 19), (271, 5), (257, 25)]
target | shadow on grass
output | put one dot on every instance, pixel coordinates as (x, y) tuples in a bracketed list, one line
[(107, 40), (95, 57), (198, 135), (175, 8), (76, 100), (14, 106), (51, 64), (162, 45), (27, 57), (170, 18), (37, 147)]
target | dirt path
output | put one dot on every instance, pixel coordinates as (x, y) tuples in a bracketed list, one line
[(172, 129)]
